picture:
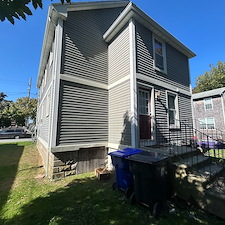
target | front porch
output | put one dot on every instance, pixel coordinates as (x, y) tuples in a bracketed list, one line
[(197, 170)]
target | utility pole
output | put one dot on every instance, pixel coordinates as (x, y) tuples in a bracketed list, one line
[(28, 99), (29, 88)]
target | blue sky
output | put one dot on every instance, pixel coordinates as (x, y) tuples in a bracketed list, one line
[(200, 25)]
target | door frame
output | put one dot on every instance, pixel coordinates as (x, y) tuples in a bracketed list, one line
[(151, 90)]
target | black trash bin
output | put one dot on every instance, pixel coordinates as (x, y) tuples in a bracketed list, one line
[(150, 179)]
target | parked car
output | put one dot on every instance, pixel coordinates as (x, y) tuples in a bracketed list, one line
[(13, 133)]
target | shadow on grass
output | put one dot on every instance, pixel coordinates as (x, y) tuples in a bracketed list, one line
[(10, 155), (83, 201)]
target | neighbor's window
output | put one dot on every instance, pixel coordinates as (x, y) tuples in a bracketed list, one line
[(173, 113), (159, 55), (207, 123), (208, 103)]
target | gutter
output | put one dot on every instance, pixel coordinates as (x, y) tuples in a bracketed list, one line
[(52, 18), (223, 109)]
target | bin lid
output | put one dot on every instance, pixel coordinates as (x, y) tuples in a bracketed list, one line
[(123, 153), (148, 157)]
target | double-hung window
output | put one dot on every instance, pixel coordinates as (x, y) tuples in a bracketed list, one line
[(208, 103), (173, 113), (159, 55), (207, 123)]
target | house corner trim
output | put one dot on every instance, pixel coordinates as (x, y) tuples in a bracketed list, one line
[(133, 84)]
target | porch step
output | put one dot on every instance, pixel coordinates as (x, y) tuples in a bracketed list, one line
[(213, 199), (194, 161), (211, 171), (183, 151), (179, 151)]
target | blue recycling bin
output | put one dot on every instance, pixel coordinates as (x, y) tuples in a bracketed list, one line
[(124, 177)]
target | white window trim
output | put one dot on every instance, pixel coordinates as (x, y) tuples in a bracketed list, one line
[(177, 123), (164, 54), (151, 89), (147, 91), (206, 104), (206, 123)]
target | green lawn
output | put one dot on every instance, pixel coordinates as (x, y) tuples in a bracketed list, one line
[(217, 153), (26, 198)]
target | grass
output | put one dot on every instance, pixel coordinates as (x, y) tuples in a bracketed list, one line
[(26, 197), (217, 153)]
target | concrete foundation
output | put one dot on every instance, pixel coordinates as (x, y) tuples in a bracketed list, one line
[(63, 164)]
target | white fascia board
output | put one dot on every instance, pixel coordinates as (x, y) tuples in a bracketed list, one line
[(79, 6), (76, 147), (120, 21), (83, 81), (47, 42), (162, 84), (133, 11), (52, 20)]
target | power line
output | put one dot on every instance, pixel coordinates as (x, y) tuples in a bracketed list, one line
[(13, 81)]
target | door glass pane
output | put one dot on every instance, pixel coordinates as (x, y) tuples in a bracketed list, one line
[(143, 102), (172, 109), (171, 102)]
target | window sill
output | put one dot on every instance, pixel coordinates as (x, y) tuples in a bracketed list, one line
[(160, 70), (174, 127)]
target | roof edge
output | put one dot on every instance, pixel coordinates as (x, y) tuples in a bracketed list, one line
[(210, 93), (133, 11)]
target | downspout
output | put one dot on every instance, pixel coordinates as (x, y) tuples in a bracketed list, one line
[(222, 102), (133, 84)]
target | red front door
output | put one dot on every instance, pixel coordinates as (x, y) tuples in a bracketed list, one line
[(145, 126)]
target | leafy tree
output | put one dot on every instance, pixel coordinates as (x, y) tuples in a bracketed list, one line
[(11, 9), (2, 96), (215, 78), (5, 121), (18, 111)]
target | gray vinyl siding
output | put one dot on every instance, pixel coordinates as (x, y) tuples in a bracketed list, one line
[(83, 114), (44, 116), (184, 105), (177, 63), (47, 79), (119, 114), (84, 50), (119, 57), (45, 102), (185, 109), (161, 104)]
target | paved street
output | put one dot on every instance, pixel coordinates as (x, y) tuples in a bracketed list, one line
[(15, 140)]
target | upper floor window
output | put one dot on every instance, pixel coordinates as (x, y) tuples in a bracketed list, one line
[(208, 103), (159, 55)]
